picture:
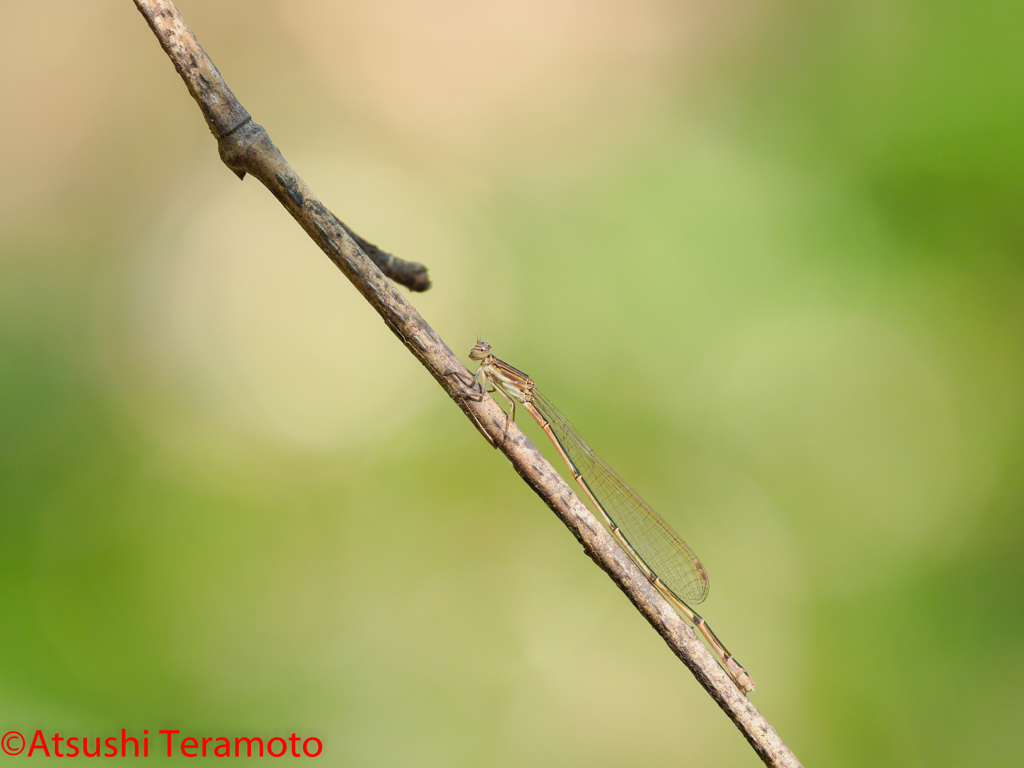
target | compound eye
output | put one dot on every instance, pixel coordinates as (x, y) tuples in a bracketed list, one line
[(481, 350)]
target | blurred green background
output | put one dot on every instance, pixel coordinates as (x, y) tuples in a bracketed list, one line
[(767, 257)]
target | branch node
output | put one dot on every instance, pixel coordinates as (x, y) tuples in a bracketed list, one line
[(239, 146)]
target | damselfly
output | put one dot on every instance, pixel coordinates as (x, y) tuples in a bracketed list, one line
[(665, 559)]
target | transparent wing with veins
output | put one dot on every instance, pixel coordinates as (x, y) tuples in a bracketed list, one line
[(658, 545)]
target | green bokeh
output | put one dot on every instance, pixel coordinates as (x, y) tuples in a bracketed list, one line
[(790, 312)]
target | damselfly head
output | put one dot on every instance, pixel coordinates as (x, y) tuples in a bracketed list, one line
[(480, 351)]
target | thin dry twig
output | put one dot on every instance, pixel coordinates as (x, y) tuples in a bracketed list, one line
[(245, 147)]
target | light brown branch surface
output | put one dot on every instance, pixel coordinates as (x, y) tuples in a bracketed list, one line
[(245, 147)]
